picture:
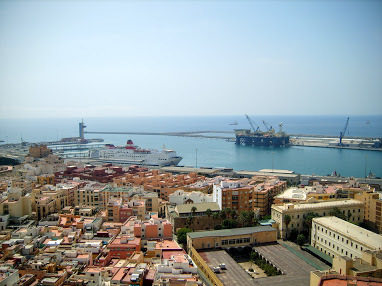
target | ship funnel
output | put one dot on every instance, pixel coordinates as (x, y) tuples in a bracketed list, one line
[(281, 127)]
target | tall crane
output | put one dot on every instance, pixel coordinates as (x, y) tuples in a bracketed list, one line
[(252, 123), (269, 127), (342, 133)]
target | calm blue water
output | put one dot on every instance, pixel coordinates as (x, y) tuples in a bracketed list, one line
[(220, 153)]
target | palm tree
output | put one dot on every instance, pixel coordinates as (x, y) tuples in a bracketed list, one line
[(228, 211), (193, 210), (192, 216), (215, 216), (209, 213), (223, 214), (234, 214), (251, 218), (287, 220), (243, 218)]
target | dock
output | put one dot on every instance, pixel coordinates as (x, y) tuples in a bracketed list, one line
[(305, 140)]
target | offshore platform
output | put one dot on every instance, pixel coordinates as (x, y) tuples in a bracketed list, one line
[(256, 137)]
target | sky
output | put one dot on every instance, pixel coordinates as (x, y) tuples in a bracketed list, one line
[(169, 58)]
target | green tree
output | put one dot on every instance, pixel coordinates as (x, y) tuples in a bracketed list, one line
[(287, 220), (301, 239), (308, 221), (252, 220), (293, 235), (209, 213), (243, 218), (226, 224), (228, 211), (182, 235), (223, 214), (193, 210), (337, 213)]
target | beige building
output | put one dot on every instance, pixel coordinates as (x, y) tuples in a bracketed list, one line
[(336, 237), (227, 238), (39, 151), (48, 199), (16, 207), (373, 205), (298, 211), (89, 195), (369, 265)]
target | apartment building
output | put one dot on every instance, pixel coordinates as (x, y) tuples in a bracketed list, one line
[(373, 205), (128, 193), (48, 199), (152, 229), (39, 151), (336, 237), (180, 197), (243, 195), (120, 211), (162, 183), (15, 207), (45, 179), (297, 212), (89, 195)]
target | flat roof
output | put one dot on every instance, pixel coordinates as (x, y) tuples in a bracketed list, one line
[(200, 207), (319, 253), (318, 205), (276, 171), (366, 237), (189, 170), (254, 173), (230, 232)]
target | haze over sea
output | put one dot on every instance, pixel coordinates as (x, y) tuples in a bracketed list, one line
[(217, 152)]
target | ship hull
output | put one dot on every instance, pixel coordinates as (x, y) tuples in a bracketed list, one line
[(271, 141)]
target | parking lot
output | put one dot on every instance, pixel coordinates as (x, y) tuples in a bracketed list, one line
[(296, 271), (233, 275)]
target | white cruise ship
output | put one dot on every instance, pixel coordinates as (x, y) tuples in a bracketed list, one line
[(131, 154)]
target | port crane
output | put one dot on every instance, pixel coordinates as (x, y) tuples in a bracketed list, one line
[(269, 127), (342, 133), (252, 123)]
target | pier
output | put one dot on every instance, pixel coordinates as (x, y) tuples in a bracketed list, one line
[(196, 134), (306, 140)]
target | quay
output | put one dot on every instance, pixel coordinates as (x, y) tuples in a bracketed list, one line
[(305, 140)]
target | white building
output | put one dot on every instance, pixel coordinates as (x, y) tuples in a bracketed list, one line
[(297, 212), (180, 197), (337, 237)]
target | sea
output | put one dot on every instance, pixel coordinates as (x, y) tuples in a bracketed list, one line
[(203, 152)]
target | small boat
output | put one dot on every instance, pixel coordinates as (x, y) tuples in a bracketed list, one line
[(233, 123)]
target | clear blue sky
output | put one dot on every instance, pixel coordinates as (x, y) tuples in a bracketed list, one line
[(137, 58)]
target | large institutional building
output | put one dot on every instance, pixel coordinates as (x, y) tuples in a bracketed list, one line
[(297, 212), (337, 237), (227, 238)]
